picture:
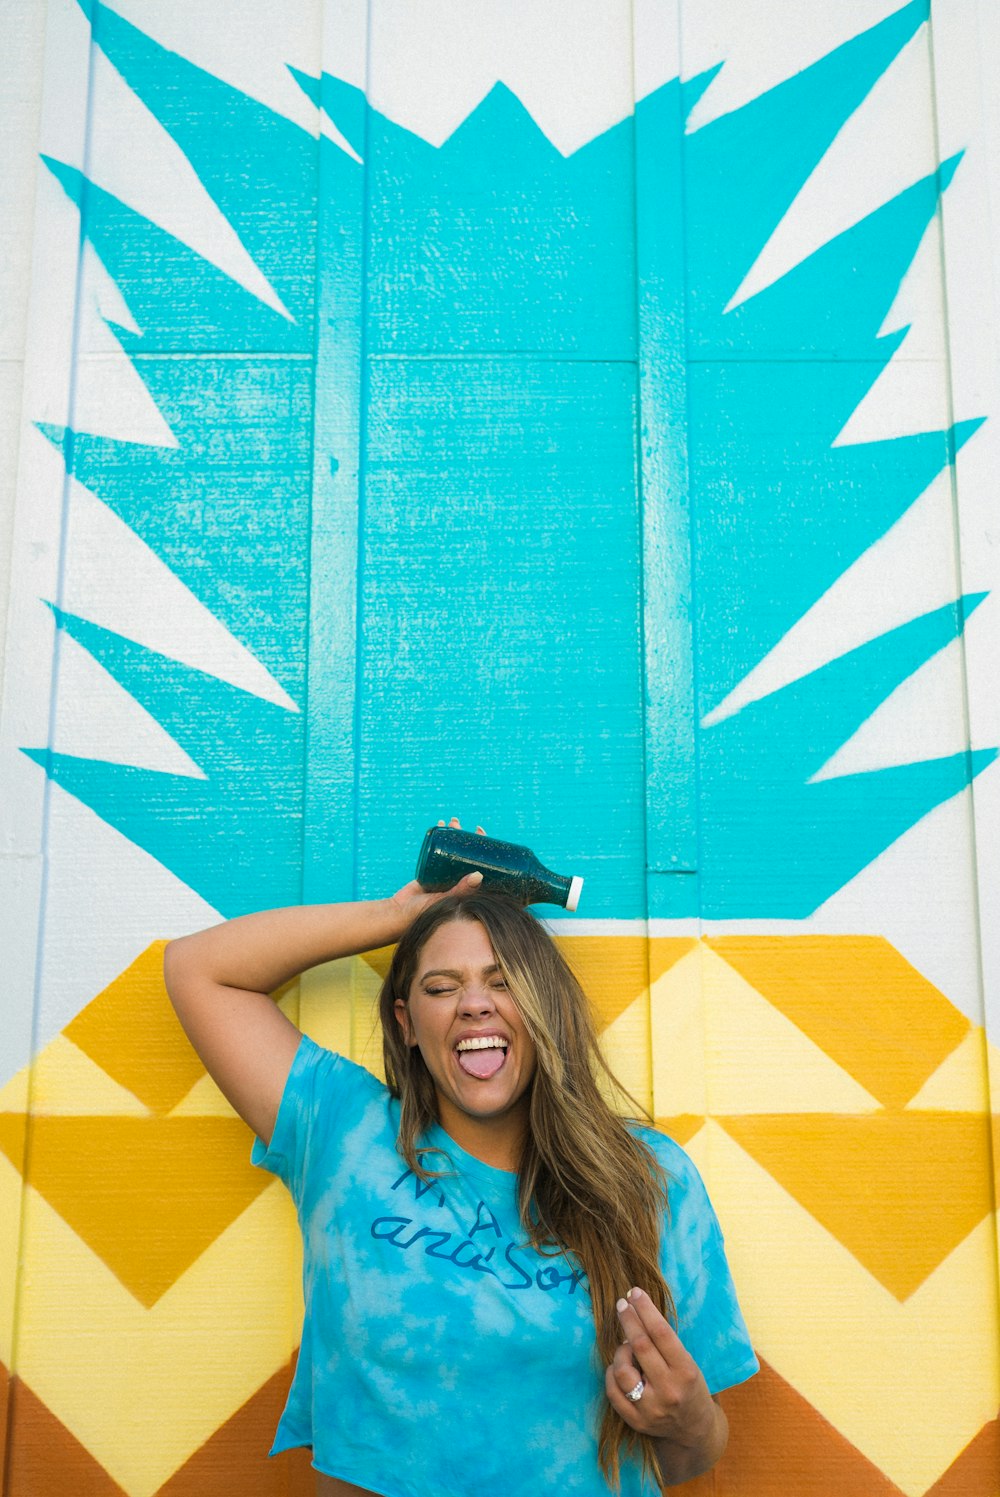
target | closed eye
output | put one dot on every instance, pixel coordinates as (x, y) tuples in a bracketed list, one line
[(439, 992)]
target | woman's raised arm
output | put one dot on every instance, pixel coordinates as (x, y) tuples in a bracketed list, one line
[(219, 981)]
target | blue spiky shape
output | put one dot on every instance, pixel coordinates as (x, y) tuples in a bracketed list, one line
[(495, 243)]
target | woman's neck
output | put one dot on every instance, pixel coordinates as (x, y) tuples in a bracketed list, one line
[(497, 1142)]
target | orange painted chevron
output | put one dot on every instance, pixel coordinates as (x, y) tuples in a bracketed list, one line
[(900, 1190), (858, 999), (5, 1411), (43, 1458), (779, 1446), (233, 1462), (615, 970), (157, 1063), (976, 1472), (147, 1195), (682, 1127)]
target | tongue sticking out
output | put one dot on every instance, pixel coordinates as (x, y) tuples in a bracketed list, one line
[(482, 1063)]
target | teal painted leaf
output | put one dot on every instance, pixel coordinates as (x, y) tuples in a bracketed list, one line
[(497, 548)]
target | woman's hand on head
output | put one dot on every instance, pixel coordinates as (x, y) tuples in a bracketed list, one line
[(413, 898), (456, 823)]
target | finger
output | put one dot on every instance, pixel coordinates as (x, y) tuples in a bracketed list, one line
[(628, 1410), (623, 1358), (481, 831), (658, 1328), (628, 1378), (647, 1355), (455, 822)]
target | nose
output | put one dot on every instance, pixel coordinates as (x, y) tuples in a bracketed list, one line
[(476, 1000)]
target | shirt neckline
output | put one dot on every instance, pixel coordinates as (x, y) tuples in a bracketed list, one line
[(504, 1181)]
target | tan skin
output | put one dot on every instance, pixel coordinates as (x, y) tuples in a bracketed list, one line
[(219, 981)]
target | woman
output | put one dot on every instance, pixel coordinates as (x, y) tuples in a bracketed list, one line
[(492, 1257)]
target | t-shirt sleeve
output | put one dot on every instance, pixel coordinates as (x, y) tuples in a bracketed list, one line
[(709, 1320), (311, 1104)]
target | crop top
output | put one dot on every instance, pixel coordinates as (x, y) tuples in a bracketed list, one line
[(440, 1355)]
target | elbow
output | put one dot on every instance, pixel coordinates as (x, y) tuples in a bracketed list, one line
[(170, 958), (175, 966), (183, 981), (170, 968)]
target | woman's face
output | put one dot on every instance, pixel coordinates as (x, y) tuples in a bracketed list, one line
[(469, 1032)]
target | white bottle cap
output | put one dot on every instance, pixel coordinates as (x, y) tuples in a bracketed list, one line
[(575, 887)]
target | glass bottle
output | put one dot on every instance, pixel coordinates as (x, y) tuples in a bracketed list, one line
[(449, 853)]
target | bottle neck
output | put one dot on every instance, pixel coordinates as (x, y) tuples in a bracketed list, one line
[(546, 887), (558, 885)]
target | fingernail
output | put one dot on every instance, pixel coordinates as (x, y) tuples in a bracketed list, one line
[(475, 878), (634, 1293), (621, 1305)]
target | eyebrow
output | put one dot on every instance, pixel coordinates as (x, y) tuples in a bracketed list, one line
[(450, 972)]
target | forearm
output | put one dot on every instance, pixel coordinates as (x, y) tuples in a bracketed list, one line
[(680, 1463), (262, 951)]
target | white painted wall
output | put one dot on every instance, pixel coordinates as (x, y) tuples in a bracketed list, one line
[(22, 28)]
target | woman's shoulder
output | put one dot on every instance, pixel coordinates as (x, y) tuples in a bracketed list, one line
[(679, 1166), (689, 1206), (331, 1068)]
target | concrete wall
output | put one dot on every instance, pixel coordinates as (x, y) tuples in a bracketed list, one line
[(427, 410)]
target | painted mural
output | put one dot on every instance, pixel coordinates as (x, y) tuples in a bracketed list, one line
[(579, 474)]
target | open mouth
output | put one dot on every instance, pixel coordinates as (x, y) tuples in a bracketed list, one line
[(482, 1058)]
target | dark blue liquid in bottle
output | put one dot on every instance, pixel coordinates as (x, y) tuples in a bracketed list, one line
[(448, 854)]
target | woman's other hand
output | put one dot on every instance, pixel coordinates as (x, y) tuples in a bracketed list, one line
[(676, 1408)]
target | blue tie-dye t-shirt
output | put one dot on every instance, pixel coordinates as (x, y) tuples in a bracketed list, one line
[(440, 1355)]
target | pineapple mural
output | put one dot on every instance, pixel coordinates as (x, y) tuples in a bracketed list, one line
[(494, 483)]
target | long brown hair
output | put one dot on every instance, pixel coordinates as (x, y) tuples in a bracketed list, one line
[(585, 1182)]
